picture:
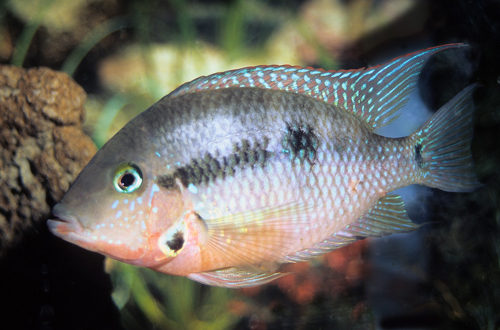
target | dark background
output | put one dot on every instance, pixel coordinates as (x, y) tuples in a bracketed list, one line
[(46, 283)]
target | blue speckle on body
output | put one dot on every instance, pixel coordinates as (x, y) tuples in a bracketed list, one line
[(192, 188), (154, 189)]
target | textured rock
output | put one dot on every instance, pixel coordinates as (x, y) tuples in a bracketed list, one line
[(43, 146)]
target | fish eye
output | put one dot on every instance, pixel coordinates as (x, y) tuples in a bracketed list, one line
[(127, 178)]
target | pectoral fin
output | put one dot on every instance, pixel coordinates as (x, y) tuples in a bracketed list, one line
[(256, 240)]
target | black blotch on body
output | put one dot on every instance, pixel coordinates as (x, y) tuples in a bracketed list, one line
[(177, 242), (418, 155), (167, 182), (208, 168), (300, 142)]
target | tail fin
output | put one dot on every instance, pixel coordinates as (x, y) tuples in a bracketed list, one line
[(442, 146)]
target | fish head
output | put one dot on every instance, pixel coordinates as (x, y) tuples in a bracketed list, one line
[(107, 207)]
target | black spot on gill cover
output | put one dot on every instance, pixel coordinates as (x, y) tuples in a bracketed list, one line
[(418, 155), (207, 169), (177, 242), (300, 142)]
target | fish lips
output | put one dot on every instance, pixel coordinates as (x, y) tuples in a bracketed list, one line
[(67, 226)]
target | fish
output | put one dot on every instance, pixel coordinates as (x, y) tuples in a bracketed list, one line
[(234, 175)]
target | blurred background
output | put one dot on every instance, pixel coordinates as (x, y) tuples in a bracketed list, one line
[(127, 54)]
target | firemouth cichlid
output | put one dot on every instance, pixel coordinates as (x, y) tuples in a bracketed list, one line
[(232, 175)]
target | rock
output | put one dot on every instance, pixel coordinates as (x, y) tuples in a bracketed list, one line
[(47, 282), (43, 146)]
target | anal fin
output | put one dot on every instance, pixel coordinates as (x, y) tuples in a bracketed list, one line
[(235, 277), (387, 216)]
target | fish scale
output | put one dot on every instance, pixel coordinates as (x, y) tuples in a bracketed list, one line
[(356, 155), (232, 175)]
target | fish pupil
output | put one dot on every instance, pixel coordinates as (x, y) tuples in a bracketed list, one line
[(127, 180)]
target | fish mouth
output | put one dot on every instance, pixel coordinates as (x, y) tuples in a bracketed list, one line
[(66, 226)]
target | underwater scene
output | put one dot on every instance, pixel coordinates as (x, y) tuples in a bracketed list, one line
[(261, 164)]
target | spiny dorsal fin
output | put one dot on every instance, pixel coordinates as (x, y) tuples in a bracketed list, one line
[(386, 217), (374, 94), (235, 277)]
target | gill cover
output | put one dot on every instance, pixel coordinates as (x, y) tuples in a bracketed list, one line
[(173, 240)]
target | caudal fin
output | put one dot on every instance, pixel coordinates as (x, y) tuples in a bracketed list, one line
[(442, 146)]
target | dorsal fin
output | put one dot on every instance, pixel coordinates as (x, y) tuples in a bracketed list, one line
[(373, 94)]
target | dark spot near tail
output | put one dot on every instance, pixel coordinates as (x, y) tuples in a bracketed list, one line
[(418, 155), (300, 142), (177, 242)]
